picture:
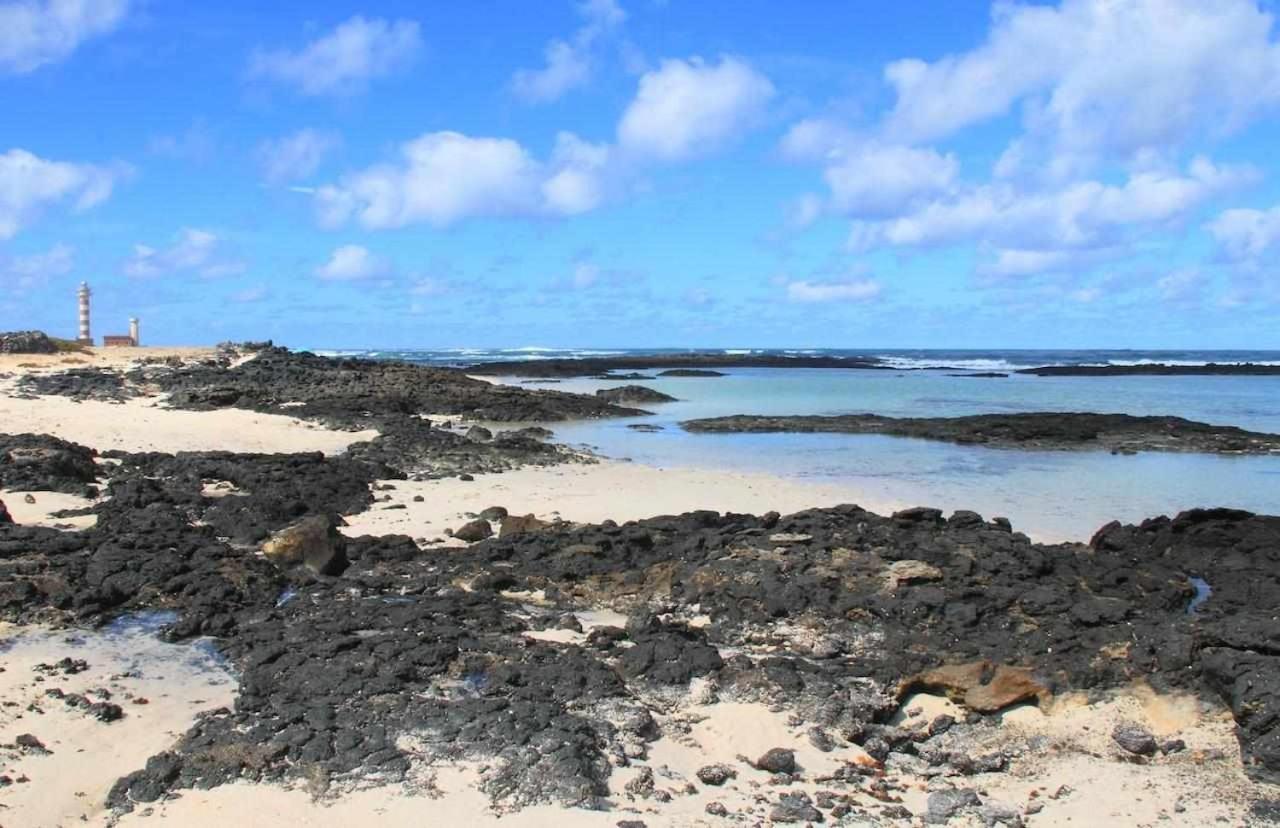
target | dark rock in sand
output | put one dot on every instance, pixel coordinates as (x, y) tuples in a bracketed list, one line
[(634, 394), (795, 807), (716, 775), (27, 342), (943, 805), (29, 742), (494, 513), (1042, 431), (5, 517), (777, 760), (42, 463), (479, 434), (476, 530)]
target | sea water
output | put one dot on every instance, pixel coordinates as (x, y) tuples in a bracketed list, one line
[(1051, 495)]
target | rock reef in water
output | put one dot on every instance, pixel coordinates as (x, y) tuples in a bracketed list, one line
[(599, 366), (1155, 369), (634, 394), (1121, 433)]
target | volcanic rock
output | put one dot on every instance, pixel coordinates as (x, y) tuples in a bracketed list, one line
[(777, 760), (27, 342), (634, 394), (1134, 738), (981, 685), (716, 775), (1041, 431), (516, 525)]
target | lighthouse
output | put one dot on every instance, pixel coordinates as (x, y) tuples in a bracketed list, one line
[(85, 337)]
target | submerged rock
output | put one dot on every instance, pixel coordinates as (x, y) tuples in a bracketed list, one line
[(634, 394)]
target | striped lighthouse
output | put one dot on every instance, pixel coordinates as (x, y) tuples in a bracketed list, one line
[(85, 337)]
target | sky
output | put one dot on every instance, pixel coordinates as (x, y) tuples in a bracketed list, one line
[(644, 173)]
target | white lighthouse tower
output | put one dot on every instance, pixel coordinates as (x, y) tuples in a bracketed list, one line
[(85, 337)]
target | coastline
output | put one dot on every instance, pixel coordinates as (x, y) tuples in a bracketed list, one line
[(1063, 745)]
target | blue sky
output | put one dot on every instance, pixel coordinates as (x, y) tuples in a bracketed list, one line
[(611, 173)]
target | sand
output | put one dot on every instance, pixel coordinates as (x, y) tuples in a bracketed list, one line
[(590, 493), (87, 756)]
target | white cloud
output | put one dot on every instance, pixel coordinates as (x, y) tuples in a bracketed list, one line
[(1099, 76), (296, 156), (197, 144), (1245, 235), (850, 290), (350, 263), (194, 251), (867, 177), (23, 273), (344, 60), (34, 33), (29, 184), (569, 63), (686, 108), (1085, 214), (444, 177)]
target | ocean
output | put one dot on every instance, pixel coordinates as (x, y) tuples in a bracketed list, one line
[(1050, 495)]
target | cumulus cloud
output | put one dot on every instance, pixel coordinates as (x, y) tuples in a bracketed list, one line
[(30, 184), (867, 177), (344, 60), (686, 108), (1085, 214), (351, 263), (194, 251), (444, 177), (1097, 76), (1183, 285), (23, 273), (569, 62), (296, 156), (847, 290), (1245, 235), (34, 33)]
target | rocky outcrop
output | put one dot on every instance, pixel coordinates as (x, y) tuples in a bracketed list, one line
[(634, 394), (337, 669), (1155, 369), (27, 342), (603, 366), (37, 462), (1120, 433)]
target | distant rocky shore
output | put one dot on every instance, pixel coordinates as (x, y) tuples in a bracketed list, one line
[(1121, 433), (1156, 369)]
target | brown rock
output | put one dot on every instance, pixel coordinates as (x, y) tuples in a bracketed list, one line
[(981, 685), (476, 530), (515, 524), (314, 542)]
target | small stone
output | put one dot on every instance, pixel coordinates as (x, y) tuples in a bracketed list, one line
[(29, 499), (419, 499), (642, 784), (494, 513), (26, 740), (1172, 746), (795, 807), (1134, 738), (717, 809), (821, 740), (466, 478), (777, 760), (941, 724), (716, 774), (942, 805)]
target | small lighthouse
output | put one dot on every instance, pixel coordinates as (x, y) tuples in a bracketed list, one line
[(85, 337)]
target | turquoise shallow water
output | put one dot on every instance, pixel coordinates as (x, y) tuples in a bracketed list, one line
[(1050, 495)]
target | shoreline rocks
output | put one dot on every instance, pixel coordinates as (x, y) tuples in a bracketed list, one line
[(1052, 431)]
